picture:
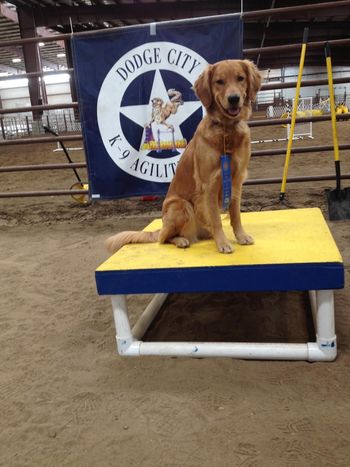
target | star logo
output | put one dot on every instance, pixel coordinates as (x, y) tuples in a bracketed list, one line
[(163, 130), (147, 110)]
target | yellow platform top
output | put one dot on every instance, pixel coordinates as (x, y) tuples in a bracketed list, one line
[(292, 236)]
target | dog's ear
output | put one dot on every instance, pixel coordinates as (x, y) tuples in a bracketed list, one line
[(253, 78), (202, 87)]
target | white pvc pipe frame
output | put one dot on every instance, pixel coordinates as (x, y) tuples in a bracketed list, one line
[(129, 341)]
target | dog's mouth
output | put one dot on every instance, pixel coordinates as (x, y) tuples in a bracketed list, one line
[(231, 111)]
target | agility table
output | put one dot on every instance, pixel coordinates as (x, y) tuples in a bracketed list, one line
[(293, 250)]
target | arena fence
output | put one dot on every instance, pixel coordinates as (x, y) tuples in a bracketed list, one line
[(61, 117), (21, 124)]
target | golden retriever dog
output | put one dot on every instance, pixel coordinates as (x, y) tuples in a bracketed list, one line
[(191, 209)]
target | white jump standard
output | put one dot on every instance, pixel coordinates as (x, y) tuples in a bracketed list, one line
[(294, 250)]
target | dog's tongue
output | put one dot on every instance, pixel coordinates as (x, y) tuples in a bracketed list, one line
[(233, 112)]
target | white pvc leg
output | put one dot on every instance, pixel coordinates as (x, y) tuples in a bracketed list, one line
[(325, 315), (148, 315), (124, 336), (326, 337), (313, 303), (322, 305)]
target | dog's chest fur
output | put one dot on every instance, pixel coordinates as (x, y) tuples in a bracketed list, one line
[(225, 140)]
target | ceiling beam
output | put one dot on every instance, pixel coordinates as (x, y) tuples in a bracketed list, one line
[(275, 62), (99, 13), (311, 10), (44, 32), (51, 16)]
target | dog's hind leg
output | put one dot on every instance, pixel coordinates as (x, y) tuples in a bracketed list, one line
[(179, 226)]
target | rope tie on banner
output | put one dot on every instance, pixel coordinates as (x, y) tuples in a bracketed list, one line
[(71, 25), (226, 177), (153, 29)]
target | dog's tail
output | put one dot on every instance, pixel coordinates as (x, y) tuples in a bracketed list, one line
[(115, 242)]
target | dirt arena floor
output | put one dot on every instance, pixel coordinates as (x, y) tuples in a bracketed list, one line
[(67, 399)]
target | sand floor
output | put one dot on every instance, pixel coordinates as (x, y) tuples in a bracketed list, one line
[(67, 398)]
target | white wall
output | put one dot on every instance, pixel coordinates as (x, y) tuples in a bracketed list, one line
[(310, 73), (316, 73), (15, 93), (58, 93)]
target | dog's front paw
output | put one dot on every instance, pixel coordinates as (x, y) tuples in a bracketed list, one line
[(224, 247), (245, 239), (181, 242)]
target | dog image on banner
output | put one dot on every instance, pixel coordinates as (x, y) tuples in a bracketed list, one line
[(160, 113), (191, 209)]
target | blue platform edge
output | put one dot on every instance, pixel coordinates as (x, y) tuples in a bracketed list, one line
[(274, 277)]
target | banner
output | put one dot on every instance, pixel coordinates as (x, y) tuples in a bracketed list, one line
[(137, 106)]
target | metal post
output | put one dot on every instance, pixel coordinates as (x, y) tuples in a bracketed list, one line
[(2, 128), (27, 123), (31, 56)]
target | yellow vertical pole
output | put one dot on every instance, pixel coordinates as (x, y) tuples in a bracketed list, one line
[(333, 115), (294, 114)]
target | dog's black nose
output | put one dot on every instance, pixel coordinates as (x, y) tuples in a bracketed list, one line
[(233, 99)]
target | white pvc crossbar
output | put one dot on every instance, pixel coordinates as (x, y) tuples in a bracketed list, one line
[(129, 341)]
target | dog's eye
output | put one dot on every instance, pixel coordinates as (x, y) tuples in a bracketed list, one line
[(220, 81), (240, 78)]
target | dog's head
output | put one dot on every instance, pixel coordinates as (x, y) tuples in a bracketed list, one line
[(228, 87), (157, 102)]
